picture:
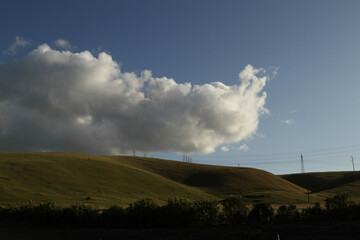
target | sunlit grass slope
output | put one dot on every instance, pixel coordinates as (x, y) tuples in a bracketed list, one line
[(66, 178), (222, 181), (326, 183)]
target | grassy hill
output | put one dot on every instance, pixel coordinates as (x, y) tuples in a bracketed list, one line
[(69, 177), (222, 181), (326, 183), (66, 178)]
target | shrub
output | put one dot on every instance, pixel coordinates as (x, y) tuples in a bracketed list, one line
[(339, 207), (206, 212), (337, 202), (261, 213), (235, 210), (142, 213), (313, 214), (286, 214), (177, 212), (113, 217), (79, 215)]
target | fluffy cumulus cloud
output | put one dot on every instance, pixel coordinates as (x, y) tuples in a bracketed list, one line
[(64, 101)]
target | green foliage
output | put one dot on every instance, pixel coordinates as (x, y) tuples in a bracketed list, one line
[(114, 216), (177, 212), (206, 212), (261, 213), (80, 215), (142, 213), (287, 214), (313, 214), (340, 207), (338, 201), (235, 210)]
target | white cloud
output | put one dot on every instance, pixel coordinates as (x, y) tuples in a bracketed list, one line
[(64, 101), (63, 44), (243, 147), (288, 121), (225, 149), (19, 42)]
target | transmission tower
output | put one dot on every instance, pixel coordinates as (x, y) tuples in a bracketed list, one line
[(302, 164)]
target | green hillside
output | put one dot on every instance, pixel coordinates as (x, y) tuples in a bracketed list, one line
[(222, 181), (70, 177), (325, 183), (66, 178)]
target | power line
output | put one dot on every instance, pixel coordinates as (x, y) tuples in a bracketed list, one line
[(308, 152)]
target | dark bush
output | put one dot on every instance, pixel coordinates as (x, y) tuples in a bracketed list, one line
[(143, 213), (340, 207), (287, 214), (79, 215), (338, 201), (235, 210), (313, 214), (206, 212), (261, 213), (113, 217), (177, 212)]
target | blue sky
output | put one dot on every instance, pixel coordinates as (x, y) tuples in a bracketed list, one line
[(313, 100)]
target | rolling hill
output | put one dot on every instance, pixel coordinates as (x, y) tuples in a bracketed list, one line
[(66, 178), (326, 183), (222, 181), (70, 177)]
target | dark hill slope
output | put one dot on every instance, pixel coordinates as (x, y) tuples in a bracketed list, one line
[(326, 183), (222, 181)]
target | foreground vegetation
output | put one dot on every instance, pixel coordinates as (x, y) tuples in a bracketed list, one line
[(176, 213)]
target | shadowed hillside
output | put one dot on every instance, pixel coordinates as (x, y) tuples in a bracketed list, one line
[(325, 183), (222, 181), (69, 177)]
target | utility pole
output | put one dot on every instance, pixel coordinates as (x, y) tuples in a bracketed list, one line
[(352, 160), (308, 196), (302, 164)]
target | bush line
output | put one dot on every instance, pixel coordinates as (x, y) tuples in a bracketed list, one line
[(177, 212)]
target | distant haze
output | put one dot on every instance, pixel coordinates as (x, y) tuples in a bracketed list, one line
[(65, 101)]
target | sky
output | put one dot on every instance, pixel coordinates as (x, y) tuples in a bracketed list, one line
[(234, 83)]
